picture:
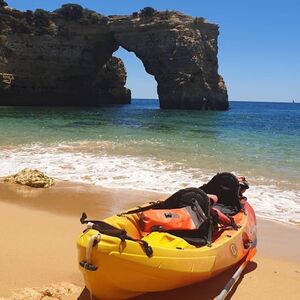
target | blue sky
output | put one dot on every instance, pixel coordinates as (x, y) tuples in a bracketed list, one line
[(259, 43)]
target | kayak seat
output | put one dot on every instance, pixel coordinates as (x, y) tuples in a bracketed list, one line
[(226, 186), (193, 199)]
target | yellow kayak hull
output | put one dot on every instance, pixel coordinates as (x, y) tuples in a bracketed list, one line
[(124, 270)]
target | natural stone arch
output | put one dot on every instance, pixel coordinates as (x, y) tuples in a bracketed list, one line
[(180, 53), (71, 51)]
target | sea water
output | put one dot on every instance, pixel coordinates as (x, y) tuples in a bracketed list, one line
[(140, 146)]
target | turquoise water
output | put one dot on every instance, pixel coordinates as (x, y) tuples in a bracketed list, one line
[(141, 146)]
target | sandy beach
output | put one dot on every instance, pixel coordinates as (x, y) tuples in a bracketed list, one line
[(38, 259)]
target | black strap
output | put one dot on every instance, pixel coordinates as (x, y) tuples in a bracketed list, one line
[(233, 223), (110, 230), (210, 227), (140, 208), (197, 208)]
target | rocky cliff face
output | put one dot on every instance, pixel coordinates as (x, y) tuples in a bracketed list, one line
[(65, 58), (56, 58)]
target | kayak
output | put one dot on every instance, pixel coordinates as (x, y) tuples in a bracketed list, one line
[(119, 260)]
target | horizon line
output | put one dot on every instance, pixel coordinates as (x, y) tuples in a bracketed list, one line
[(234, 100)]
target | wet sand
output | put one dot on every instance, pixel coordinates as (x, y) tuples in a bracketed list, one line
[(38, 259)]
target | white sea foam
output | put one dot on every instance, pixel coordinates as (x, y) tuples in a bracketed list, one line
[(81, 163)]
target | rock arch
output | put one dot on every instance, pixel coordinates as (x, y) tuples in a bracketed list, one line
[(65, 58), (181, 53)]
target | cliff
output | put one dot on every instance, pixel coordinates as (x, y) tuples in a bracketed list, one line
[(65, 57)]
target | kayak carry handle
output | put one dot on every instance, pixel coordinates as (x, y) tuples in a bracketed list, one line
[(88, 266)]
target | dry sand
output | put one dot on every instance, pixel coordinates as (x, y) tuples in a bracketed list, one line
[(38, 259)]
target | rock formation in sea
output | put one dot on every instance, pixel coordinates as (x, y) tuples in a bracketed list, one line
[(65, 57)]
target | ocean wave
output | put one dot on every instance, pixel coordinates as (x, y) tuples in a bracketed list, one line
[(93, 164)]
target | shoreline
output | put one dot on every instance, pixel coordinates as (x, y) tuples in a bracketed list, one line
[(40, 227)]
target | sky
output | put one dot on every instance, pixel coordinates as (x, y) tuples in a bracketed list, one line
[(259, 43)]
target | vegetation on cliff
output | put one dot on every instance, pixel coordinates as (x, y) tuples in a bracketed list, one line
[(43, 22), (147, 12), (3, 3)]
